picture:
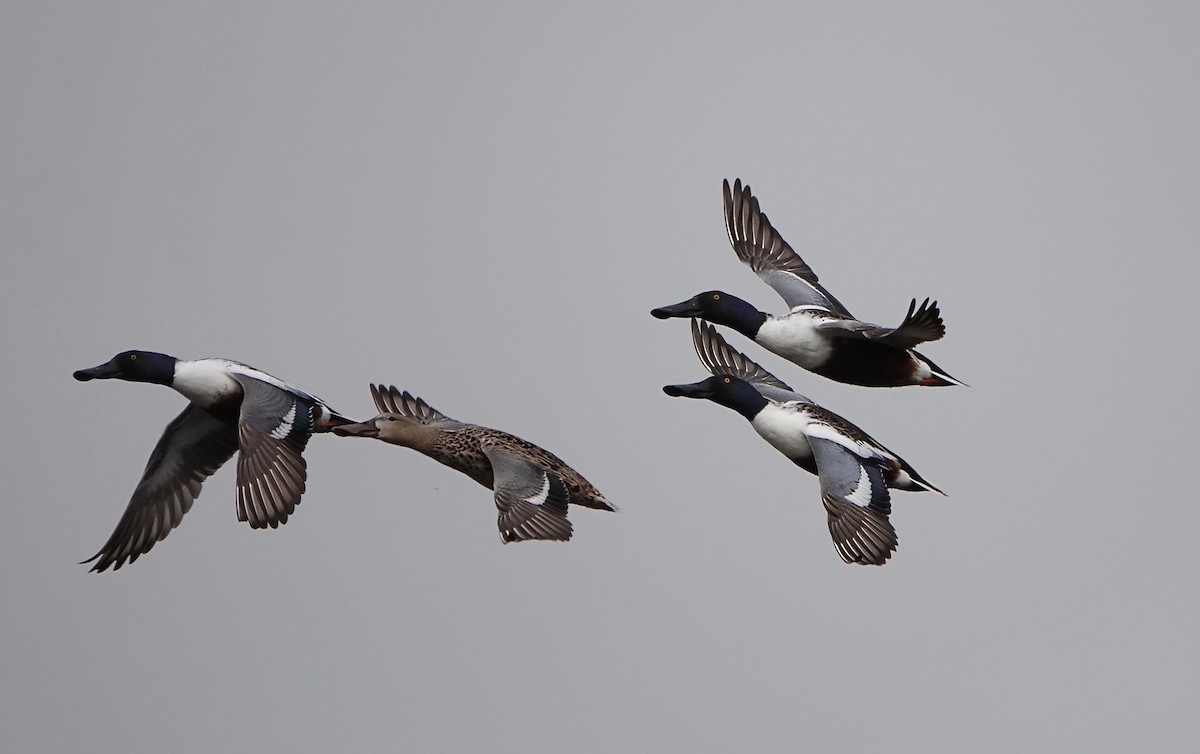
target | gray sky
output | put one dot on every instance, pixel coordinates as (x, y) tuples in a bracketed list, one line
[(482, 206)]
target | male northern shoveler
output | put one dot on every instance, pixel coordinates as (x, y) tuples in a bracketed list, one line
[(232, 407), (532, 486), (855, 470), (819, 333)]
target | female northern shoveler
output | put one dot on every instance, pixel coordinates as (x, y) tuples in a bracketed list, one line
[(532, 486)]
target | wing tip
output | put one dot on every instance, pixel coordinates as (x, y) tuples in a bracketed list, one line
[(526, 521), (106, 559), (99, 567), (862, 536)]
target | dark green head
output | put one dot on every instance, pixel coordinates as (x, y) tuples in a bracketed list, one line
[(718, 307), (133, 366), (725, 389)]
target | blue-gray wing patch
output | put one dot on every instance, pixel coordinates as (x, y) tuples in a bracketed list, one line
[(857, 503), (532, 503), (760, 247), (273, 430), (193, 446)]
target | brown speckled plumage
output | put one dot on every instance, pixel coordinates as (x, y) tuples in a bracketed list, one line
[(462, 450), (460, 445), (532, 487)]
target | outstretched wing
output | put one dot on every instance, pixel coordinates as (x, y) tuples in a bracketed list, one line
[(761, 247), (193, 446), (719, 357), (857, 501), (273, 430), (920, 325), (532, 502), (390, 400)]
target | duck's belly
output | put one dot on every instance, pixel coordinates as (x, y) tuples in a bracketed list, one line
[(869, 363), (794, 337)]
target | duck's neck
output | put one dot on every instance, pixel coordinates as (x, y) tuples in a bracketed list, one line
[(743, 398), (738, 314), (408, 432)]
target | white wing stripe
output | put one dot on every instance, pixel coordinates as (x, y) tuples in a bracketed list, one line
[(857, 447), (270, 379), (285, 425), (861, 494), (542, 494)]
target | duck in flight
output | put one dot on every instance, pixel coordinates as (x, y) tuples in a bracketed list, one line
[(531, 485), (854, 470), (232, 407), (818, 333)]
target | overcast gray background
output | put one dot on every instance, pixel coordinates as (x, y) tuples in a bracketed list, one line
[(481, 204)]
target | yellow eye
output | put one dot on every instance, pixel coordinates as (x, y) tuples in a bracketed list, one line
[(716, 297), (133, 357), (727, 380)]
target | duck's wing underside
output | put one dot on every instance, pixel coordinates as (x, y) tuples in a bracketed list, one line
[(857, 502), (273, 430), (760, 247), (532, 502), (193, 446)]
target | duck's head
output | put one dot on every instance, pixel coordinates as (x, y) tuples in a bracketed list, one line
[(394, 423), (719, 307), (133, 366), (725, 389)]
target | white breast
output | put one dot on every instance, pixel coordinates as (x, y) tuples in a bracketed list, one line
[(794, 337), (783, 428), (204, 382)]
